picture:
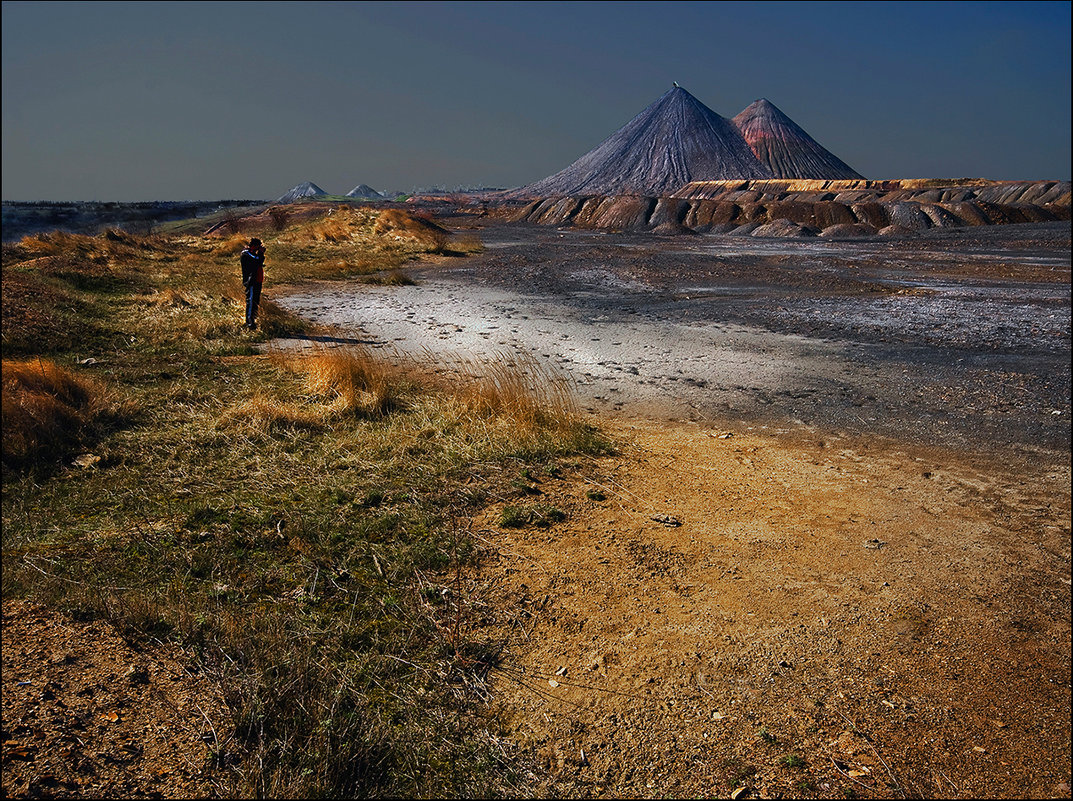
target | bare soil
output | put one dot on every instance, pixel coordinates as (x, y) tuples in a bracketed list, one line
[(87, 716), (795, 618)]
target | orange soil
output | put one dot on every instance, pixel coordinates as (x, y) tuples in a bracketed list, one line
[(828, 618)]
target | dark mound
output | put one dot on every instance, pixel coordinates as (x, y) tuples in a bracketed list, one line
[(674, 141), (303, 190), (784, 147), (365, 191)]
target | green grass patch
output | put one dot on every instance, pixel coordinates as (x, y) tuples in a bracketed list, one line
[(540, 516)]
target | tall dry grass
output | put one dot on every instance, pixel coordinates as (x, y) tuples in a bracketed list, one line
[(355, 381), (46, 409), (469, 410), (268, 415), (517, 387)]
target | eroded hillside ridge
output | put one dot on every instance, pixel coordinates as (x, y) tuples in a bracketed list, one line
[(803, 208)]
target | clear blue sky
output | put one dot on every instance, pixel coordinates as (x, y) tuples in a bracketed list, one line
[(139, 101)]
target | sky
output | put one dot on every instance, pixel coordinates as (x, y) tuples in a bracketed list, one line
[(203, 101)]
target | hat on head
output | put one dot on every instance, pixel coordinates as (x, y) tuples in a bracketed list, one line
[(255, 241)]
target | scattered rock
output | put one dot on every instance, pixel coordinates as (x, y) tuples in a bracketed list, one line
[(86, 460), (667, 520), (848, 231)]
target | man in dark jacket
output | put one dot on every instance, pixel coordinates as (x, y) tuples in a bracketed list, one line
[(253, 276)]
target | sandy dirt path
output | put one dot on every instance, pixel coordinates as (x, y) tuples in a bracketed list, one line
[(662, 367)]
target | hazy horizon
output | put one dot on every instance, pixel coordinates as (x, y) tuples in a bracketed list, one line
[(137, 102)]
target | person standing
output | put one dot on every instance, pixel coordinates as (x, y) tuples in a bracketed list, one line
[(253, 276)]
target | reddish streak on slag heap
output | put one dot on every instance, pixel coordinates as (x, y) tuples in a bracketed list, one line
[(785, 148), (675, 140)]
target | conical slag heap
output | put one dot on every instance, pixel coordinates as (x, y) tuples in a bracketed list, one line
[(674, 141), (303, 190), (364, 191), (784, 147)]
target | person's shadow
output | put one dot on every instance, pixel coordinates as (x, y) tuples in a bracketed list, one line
[(331, 340)]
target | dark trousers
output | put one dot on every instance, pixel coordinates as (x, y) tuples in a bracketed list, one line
[(253, 297)]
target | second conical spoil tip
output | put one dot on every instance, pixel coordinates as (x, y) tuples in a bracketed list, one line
[(784, 147)]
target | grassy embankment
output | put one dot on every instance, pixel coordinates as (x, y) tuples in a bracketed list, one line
[(293, 523)]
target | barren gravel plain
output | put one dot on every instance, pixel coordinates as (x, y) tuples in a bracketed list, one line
[(831, 555)]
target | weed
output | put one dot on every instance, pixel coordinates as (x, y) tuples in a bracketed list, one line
[(513, 517), (767, 736), (372, 499), (541, 516), (792, 761), (738, 773), (545, 516), (525, 488)]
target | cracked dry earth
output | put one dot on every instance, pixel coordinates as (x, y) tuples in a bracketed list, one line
[(752, 616)]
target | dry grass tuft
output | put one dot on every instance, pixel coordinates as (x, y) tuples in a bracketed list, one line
[(46, 409), (522, 389), (339, 225), (268, 415), (337, 228), (356, 381), (176, 298), (231, 246)]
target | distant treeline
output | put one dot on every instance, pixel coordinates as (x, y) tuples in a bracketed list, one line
[(22, 218)]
